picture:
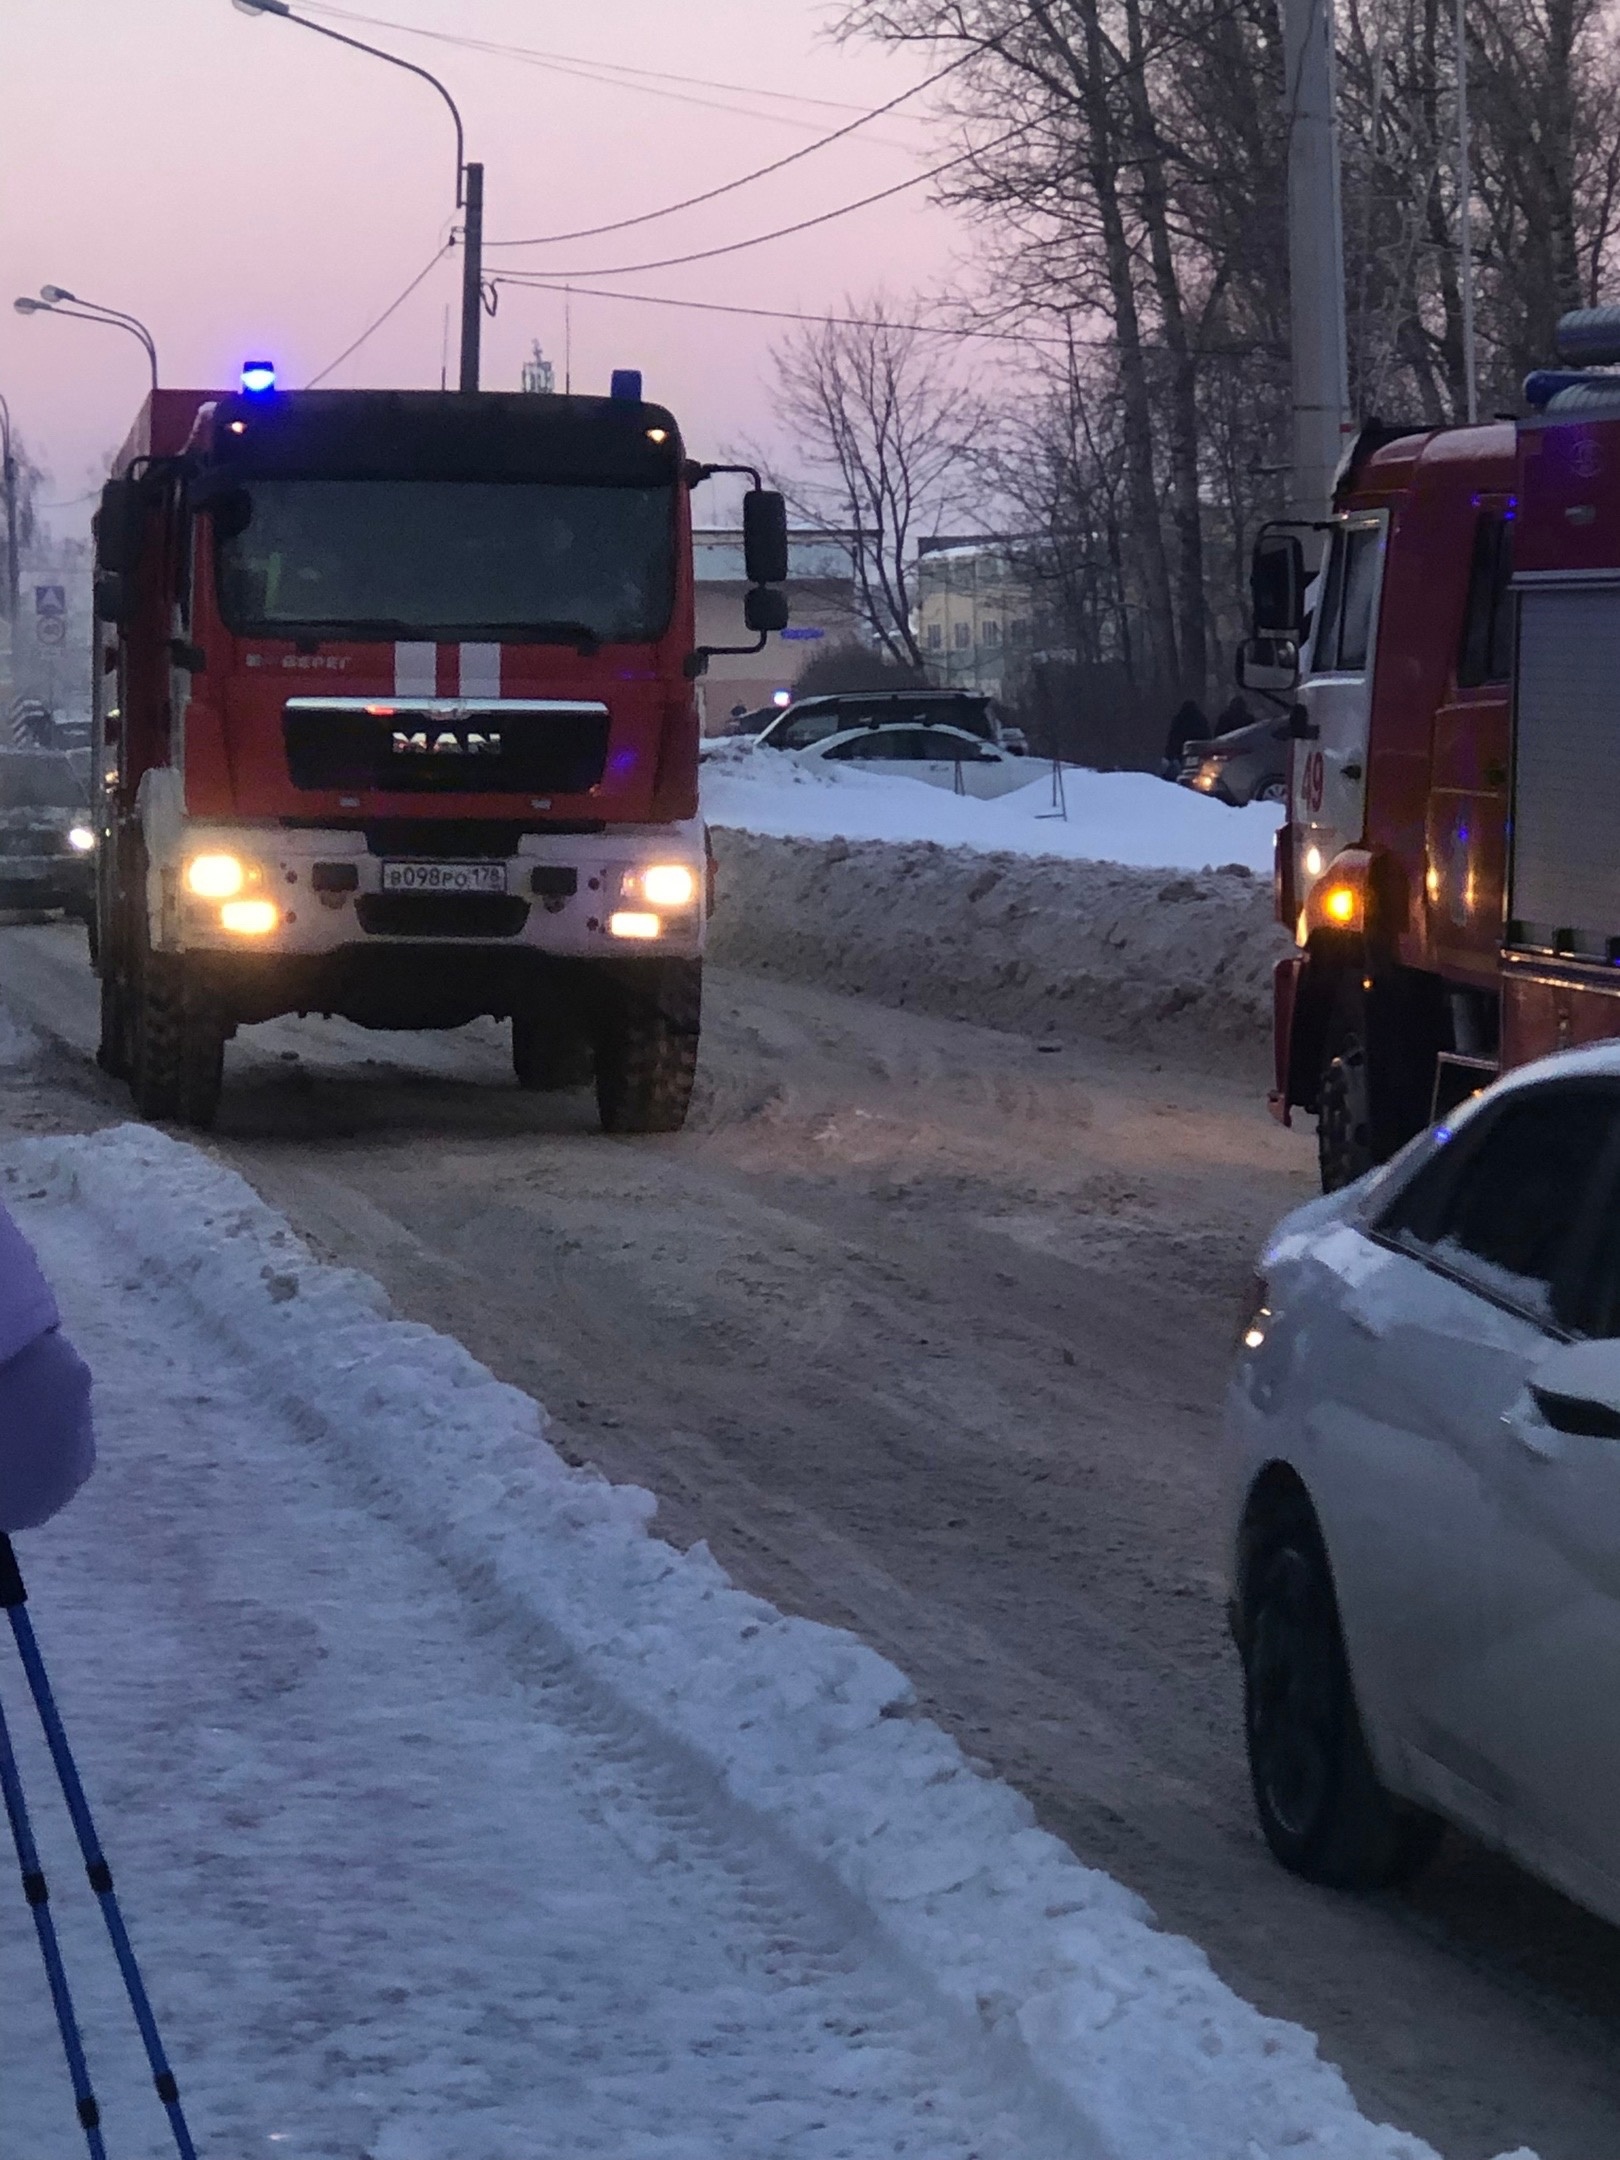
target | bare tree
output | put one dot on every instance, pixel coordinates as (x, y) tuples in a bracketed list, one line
[(883, 426)]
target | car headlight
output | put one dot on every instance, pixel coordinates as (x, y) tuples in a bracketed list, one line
[(81, 839), (215, 876)]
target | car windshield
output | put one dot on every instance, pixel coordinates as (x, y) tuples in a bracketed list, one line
[(36, 780), (449, 558), (802, 726)]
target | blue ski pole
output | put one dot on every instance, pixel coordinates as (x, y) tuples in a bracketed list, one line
[(38, 1896), (14, 1598)]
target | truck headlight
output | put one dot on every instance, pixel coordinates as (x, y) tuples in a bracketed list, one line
[(215, 876), (81, 839), (666, 885)]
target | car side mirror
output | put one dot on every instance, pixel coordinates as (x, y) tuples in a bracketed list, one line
[(1277, 585), (1267, 663), (1577, 1389), (765, 609), (765, 539), (113, 597)]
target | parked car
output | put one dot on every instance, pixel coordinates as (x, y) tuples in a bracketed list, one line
[(947, 757), (47, 842), (1424, 1440), (813, 720), (1248, 764)]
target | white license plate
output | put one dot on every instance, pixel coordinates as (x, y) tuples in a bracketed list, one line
[(444, 877)]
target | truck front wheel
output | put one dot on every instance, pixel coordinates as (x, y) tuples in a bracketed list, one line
[(177, 1045), (647, 1044)]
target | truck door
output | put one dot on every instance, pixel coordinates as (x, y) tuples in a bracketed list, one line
[(1330, 767), (1465, 837)]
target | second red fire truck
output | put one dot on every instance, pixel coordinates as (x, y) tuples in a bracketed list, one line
[(1450, 866)]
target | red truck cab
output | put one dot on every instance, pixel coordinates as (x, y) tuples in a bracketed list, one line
[(396, 720)]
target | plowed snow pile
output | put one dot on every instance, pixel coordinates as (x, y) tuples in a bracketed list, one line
[(1066, 948), (904, 892), (465, 1820)]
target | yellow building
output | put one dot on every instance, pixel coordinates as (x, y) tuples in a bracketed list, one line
[(975, 613)]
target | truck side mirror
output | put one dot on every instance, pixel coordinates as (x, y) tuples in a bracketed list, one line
[(765, 541), (118, 527), (1267, 663), (765, 609), (114, 599), (1277, 586)]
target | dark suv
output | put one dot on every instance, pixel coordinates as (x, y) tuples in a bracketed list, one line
[(811, 720), (47, 842)]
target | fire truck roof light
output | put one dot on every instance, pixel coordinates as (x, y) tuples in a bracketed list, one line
[(258, 377), (626, 385)]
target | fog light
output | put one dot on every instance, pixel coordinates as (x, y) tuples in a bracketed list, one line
[(633, 923), (249, 918), (670, 885), (81, 838), (215, 877)]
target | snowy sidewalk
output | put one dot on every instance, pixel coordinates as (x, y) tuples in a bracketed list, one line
[(456, 1818)]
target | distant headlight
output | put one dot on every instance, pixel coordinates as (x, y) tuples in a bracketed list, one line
[(1207, 777), (81, 838)]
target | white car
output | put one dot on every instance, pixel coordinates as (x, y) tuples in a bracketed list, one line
[(1424, 1449), (947, 757)]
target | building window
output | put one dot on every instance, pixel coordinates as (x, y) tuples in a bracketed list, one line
[(962, 636), (936, 636), (1018, 631), (992, 634)]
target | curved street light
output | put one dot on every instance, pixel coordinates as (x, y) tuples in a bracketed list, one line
[(469, 178), (57, 300)]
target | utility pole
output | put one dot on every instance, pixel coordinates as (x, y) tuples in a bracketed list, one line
[(472, 273), (1321, 387), (1465, 222), (8, 471)]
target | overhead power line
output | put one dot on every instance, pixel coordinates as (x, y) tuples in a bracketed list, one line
[(729, 187), (648, 80), (392, 308), (783, 232), (541, 281)]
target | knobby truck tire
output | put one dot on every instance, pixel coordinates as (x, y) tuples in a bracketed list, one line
[(178, 1045), (1323, 1810), (647, 1045)]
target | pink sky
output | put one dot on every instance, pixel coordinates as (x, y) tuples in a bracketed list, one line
[(248, 188)]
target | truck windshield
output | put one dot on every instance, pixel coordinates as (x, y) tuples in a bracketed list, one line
[(448, 558)]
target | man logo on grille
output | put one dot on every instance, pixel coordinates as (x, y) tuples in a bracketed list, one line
[(446, 744)]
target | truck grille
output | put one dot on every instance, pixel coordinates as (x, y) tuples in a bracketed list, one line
[(33, 840), (429, 915), (539, 747)]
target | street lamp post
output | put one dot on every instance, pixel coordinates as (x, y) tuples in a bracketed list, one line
[(8, 468), (469, 180), (57, 300)]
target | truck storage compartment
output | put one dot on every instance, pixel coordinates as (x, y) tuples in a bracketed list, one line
[(1564, 883)]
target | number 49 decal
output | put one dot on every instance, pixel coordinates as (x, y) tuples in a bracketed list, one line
[(1311, 783)]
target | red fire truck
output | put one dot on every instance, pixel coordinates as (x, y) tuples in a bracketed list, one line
[(396, 720), (1449, 866)]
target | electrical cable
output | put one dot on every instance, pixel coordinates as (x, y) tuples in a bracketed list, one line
[(539, 281), (783, 232), (332, 365), (598, 70), (729, 187)]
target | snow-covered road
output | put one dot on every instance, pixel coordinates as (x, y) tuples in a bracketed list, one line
[(459, 1819), (407, 1884)]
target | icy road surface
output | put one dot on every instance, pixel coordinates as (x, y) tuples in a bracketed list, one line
[(458, 1817), (923, 1329)]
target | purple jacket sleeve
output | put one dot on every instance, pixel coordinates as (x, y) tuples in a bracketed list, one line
[(47, 1448)]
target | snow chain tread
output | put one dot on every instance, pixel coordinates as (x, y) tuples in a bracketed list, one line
[(179, 1047)]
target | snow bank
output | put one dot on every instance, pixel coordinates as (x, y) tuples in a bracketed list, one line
[(1157, 2059), (1062, 948), (1118, 817)]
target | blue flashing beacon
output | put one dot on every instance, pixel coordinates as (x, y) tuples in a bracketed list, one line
[(258, 377), (626, 384)]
